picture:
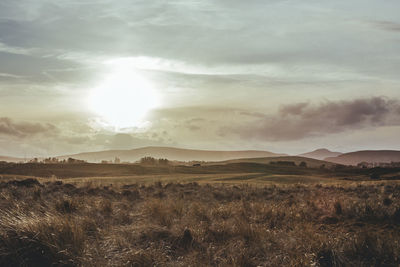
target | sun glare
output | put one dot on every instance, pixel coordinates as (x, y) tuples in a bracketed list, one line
[(124, 98)]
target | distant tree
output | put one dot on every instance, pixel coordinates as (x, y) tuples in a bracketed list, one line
[(284, 163), (74, 161), (50, 160), (363, 165), (322, 167), (163, 161), (117, 160), (303, 164), (148, 161)]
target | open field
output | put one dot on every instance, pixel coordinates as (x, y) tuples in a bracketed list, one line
[(261, 168), (234, 214), (237, 178), (51, 223)]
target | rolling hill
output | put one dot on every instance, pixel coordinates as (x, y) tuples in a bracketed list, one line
[(313, 163), (320, 154), (170, 153), (371, 156), (11, 159)]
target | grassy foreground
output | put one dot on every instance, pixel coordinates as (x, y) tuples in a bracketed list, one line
[(61, 224)]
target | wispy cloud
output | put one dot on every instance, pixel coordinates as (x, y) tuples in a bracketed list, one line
[(15, 49), (24, 129)]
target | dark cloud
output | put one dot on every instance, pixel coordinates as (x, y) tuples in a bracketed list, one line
[(293, 109), (24, 129), (387, 25), (298, 121)]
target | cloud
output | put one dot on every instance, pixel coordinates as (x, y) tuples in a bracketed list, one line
[(208, 59), (293, 109), (24, 129), (194, 124), (14, 50), (302, 120), (123, 141), (207, 32), (34, 67), (387, 25)]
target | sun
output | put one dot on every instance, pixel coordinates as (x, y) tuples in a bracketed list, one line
[(123, 98)]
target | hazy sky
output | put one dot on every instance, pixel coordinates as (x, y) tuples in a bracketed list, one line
[(285, 76)]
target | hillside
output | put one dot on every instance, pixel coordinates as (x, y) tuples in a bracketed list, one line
[(169, 153), (372, 156), (313, 163), (10, 159), (320, 154)]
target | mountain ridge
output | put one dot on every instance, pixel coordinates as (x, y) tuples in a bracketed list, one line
[(11, 159), (320, 154), (370, 156), (171, 153)]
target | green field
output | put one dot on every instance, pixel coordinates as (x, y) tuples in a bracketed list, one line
[(264, 170)]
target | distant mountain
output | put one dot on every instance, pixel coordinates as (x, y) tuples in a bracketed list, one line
[(10, 159), (169, 153), (320, 154), (371, 156)]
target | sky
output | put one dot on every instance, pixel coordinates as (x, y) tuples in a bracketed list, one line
[(277, 75)]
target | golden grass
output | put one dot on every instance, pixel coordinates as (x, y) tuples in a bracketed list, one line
[(55, 223), (259, 179)]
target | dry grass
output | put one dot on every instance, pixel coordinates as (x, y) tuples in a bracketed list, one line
[(60, 224)]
